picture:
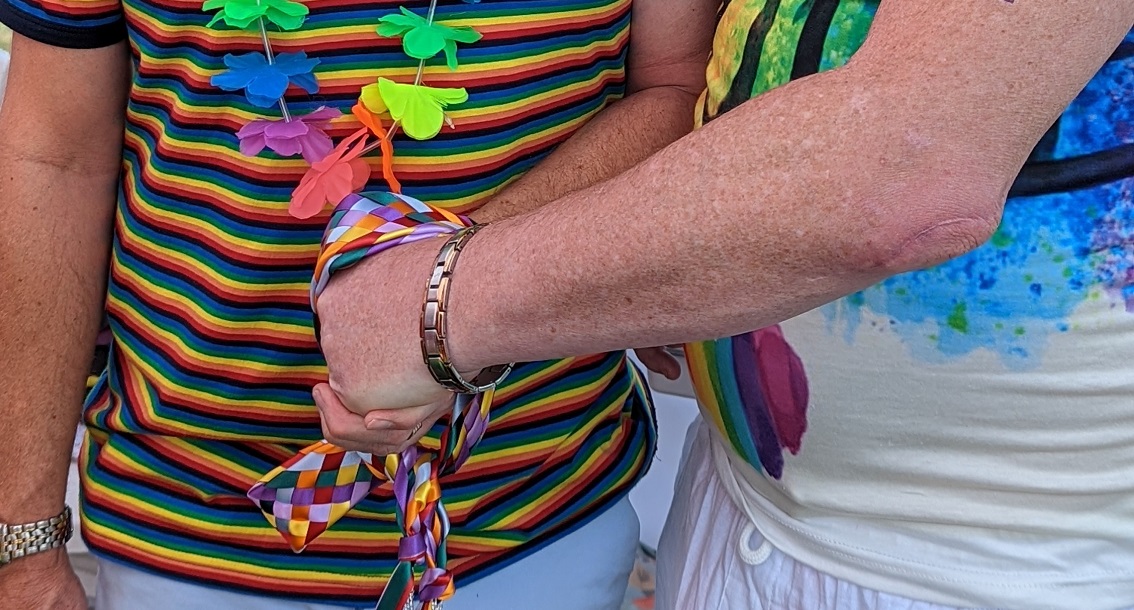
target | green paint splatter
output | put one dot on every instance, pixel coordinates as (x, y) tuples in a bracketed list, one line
[(957, 320), (1000, 239)]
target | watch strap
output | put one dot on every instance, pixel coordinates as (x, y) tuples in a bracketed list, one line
[(30, 538)]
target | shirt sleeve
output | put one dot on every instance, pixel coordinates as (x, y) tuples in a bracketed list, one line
[(74, 24)]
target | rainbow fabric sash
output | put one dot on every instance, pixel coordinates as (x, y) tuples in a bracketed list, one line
[(753, 388)]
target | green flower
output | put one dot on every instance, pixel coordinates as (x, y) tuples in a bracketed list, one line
[(419, 109), (242, 14), (423, 40)]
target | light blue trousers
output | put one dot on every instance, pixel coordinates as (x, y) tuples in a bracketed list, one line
[(585, 570)]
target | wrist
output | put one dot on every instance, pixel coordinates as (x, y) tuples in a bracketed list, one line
[(23, 540), (434, 324), (469, 328)]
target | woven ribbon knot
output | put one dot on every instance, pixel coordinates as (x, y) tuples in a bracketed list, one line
[(306, 495)]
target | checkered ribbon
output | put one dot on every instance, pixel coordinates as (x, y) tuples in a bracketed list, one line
[(363, 226), (306, 495)]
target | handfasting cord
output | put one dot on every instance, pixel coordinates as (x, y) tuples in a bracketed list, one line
[(304, 496), (364, 226)]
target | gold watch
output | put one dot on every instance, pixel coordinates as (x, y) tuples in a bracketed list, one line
[(30, 538)]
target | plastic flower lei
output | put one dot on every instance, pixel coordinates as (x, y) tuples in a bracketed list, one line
[(306, 495), (383, 107)]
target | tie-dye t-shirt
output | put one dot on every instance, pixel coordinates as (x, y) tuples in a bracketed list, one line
[(962, 434)]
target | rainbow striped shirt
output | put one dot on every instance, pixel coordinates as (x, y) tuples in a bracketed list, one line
[(213, 355)]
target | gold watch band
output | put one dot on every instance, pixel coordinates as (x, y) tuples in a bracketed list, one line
[(30, 538)]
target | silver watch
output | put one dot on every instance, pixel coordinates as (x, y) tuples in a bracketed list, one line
[(30, 538)]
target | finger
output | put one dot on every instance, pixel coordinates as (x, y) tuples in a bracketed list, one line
[(340, 426), (658, 360), (348, 430), (406, 418), (388, 430), (399, 419), (423, 418), (437, 411)]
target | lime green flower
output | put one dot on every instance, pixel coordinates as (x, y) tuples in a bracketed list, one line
[(419, 109)]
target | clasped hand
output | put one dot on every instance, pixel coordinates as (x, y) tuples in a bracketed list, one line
[(380, 398)]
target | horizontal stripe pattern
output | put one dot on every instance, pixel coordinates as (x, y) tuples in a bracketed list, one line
[(177, 505), (79, 24), (213, 355), (73, 16)]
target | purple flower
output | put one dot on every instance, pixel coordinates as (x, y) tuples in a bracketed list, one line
[(265, 83), (301, 135)]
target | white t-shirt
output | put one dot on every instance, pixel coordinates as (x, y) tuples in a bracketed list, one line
[(964, 434), (966, 482), (4, 60), (969, 428)]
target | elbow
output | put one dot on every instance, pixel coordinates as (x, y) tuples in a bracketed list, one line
[(936, 225)]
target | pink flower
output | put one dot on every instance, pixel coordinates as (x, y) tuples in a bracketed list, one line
[(301, 135), (331, 179)]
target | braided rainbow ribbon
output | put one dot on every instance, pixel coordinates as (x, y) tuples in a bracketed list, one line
[(306, 495)]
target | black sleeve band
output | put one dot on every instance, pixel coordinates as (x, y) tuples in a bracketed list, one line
[(59, 35)]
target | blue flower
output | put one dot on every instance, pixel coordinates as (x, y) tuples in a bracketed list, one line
[(265, 83)]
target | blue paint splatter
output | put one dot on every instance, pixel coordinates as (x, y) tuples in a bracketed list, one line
[(1050, 254)]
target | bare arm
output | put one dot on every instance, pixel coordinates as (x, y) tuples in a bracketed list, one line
[(899, 160), (61, 125), (664, 73)]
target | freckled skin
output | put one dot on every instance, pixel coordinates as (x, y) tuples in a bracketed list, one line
[(816, 209), (759, 216)]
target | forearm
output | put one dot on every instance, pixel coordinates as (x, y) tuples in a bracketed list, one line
[(805, 194), (900, 160), (59, 173), (618, 138), (665, 72), (53, 295)]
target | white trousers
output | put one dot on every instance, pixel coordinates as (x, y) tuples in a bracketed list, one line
[(586, 570), (711, 556)]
